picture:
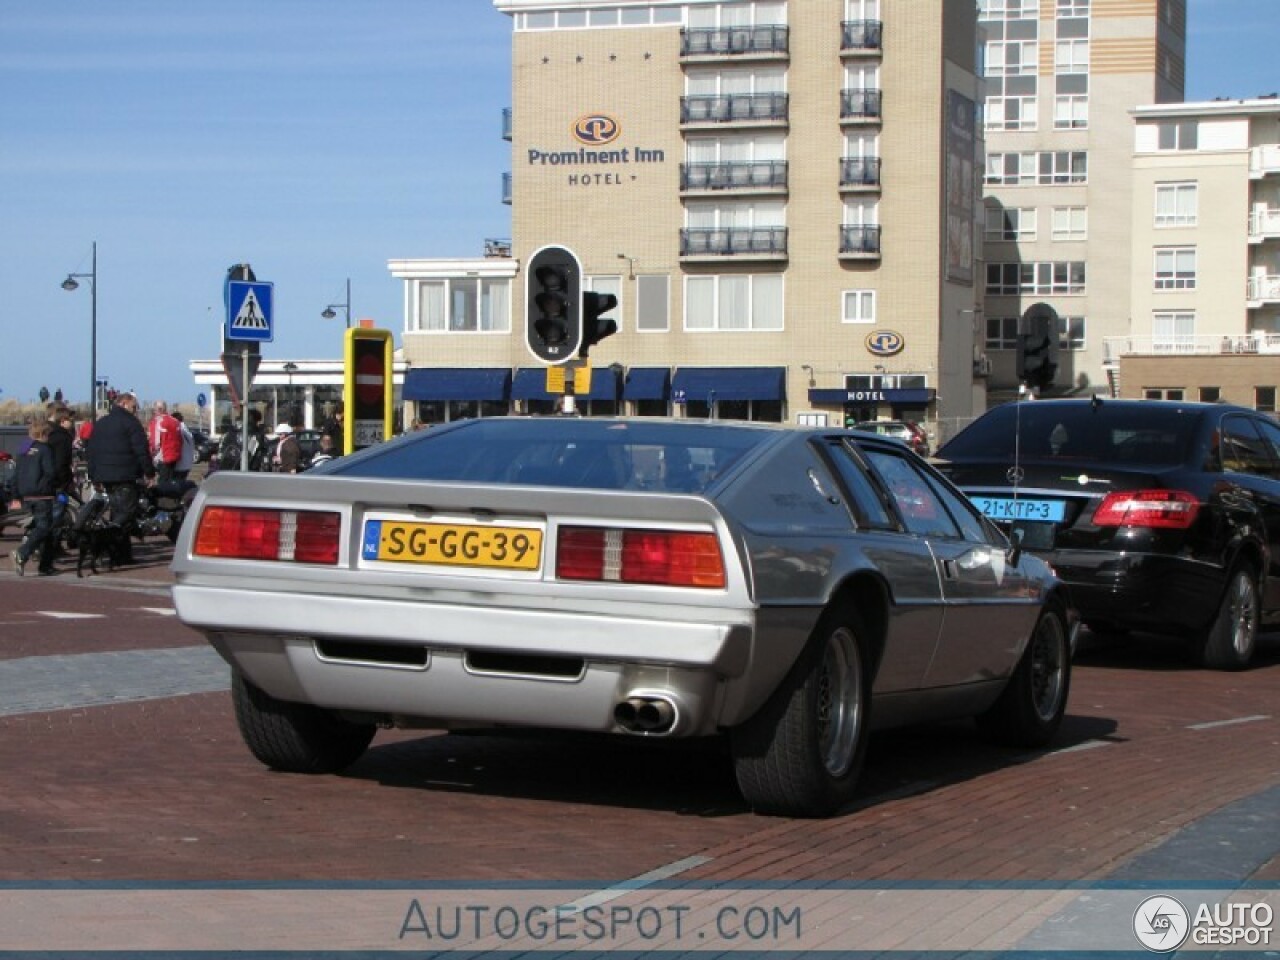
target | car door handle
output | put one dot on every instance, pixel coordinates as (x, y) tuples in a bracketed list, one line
[(950, 570)]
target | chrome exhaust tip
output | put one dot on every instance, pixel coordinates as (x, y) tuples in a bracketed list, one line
[(646, 715)]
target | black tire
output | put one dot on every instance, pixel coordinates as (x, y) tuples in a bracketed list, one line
[(1233, 635), (296, 737), (1031, 708), (802, 754)]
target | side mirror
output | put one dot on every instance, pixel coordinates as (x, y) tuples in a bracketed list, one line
[(1014, 553)]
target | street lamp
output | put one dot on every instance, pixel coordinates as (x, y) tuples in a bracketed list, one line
[(70, 284), (328, 313)]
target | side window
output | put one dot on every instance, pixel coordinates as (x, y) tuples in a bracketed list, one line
[(922, 512), (1270, 431), (962, 511), (865, 498), (1243, 450)]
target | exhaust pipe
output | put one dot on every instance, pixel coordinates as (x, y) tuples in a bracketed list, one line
[(645, 715), (627, 714)]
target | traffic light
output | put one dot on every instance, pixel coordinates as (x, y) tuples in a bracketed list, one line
[(595, 327), (553, 304), (1038, 346)]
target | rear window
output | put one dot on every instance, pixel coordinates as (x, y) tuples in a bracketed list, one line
[(605, 455), (1130, 433)]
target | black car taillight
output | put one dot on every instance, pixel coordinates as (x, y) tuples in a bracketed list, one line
[(1166, 509)]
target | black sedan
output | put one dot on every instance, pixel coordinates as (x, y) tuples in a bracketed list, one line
[(788, 589), (1161, 516)]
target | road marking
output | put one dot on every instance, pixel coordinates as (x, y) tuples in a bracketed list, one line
[(161, 611), (635, 883), (65, 615), (1087, 745), (1229, 723)]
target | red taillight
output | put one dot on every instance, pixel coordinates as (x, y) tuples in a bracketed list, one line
[(1169, 509), (671, 558), (242, 533)]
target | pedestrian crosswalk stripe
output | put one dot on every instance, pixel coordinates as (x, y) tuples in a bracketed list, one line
[(162, 611), (67, 615)]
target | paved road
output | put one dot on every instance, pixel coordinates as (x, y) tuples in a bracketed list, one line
[(122, 762)]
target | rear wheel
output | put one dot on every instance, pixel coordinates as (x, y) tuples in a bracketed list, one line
[(1031, 707), (801, 755), (296, 737), (1234, 632)]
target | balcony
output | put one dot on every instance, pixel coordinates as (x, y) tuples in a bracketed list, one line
[(1209, 344), (766, 176), (768, 41), (858, 103), (1263, 290), (1264, 161), (767, 109), (506, 124), (1264, 225), (859, 173), (861, 37), (506, 189), (860, 241), (750, 243)]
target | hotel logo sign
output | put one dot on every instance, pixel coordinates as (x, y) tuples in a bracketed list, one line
[(885, 343), (596, 129)]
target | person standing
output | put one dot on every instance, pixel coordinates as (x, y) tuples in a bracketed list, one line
[(62, 442), (187, 459), (34, 485), (286, 457), (335, 428), (164, 440), (324, 454), (118, 459)]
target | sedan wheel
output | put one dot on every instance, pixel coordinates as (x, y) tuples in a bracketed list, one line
[(801, 754), (296, 737), (1234, 633), (1034, 700)]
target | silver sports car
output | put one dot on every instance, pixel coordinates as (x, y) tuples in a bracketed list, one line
[(789, 588)]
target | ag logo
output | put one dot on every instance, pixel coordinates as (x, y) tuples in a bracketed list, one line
[(596, 129), (1161, 924), (884, 343)]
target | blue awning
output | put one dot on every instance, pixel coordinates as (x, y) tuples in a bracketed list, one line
[(457, 383), (531, 384), (647, 383), (708, 384)]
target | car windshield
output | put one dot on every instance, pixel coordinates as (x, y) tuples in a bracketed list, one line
[(1108, 433), (601, 454)]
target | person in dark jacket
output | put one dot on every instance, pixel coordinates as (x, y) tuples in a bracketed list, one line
[(119, 457), (34, 486)]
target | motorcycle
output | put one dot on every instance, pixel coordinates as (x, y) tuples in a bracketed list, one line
[(162, 509)]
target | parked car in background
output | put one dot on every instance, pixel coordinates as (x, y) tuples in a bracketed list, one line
[(1161, 516), (908, 431), (786, 588)]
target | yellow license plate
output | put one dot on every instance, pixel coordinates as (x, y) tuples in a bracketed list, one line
[(453, 544)]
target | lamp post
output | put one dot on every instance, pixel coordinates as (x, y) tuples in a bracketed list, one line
[(328, 313), (70, 284)]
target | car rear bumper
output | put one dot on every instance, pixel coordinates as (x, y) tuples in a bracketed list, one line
[(1159, 593), (452, 664)]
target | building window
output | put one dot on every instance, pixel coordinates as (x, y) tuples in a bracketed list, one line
[(464, 305), (653, 303), (1071, 333), (733, 302), (1071, 111), (1048, 168), (1070, 223), (859, 306), (1162, 393), (1011, 223), (1063, 166), (1017, 279), (1176, 268), (1002, 333), (1178, 135), (1173, 332), (611, 285), (1072, 8), (1071, 56), (1176, 204), (1008, 9), (1264, 399), (1210, 394)]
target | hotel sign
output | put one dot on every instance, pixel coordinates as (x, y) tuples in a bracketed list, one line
[(597, 161)]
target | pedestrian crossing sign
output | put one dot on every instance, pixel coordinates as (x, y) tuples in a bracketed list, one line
[(249, 313)]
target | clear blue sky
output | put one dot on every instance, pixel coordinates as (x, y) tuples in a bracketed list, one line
[(313, 139)]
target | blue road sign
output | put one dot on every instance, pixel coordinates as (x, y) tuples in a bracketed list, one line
[(249, 315), (201, 400)]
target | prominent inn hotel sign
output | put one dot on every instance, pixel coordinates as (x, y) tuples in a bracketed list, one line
[(595, 132)]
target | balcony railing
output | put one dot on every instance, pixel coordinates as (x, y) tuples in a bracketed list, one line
[(506, 189), (506, 124), (860, 239), (733, 241), (860, 103), (759, 175), (1264, 289), (734, 108), (861, 35), (1190, 345), (1264, 160), (859, 171), (1264, 224), (733, 41)]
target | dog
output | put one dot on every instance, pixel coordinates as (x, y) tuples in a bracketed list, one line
[(95, 538)]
